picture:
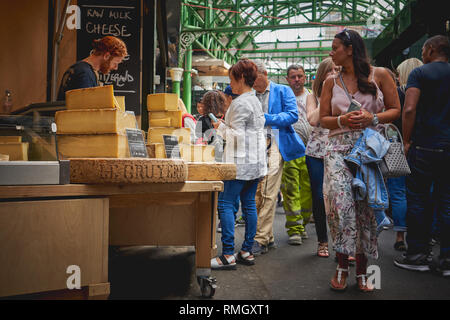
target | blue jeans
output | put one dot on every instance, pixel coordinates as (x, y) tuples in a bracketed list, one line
[(315, 170), (397, 196), (429, 167), (227, 200)]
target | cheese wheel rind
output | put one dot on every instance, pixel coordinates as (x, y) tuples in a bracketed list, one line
[(129, 171)]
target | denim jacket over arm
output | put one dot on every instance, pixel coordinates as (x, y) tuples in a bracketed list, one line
[(368, 182)]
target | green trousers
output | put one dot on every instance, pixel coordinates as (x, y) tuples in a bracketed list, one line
[(297, 198)]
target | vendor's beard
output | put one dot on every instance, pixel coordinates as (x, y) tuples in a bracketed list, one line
[(105, 66)]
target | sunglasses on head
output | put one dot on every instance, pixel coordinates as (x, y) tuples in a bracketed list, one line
[(346, 35)]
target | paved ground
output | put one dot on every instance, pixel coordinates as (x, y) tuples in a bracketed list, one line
[(285, 273)]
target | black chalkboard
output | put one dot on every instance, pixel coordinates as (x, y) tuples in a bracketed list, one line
[(171, 147), (136, 143), (119, 18)]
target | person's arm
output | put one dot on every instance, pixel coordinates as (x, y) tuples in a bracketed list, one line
[(391, 102), (289, 115), (327, 120), (312, 111), (409, 115), (237, 122)]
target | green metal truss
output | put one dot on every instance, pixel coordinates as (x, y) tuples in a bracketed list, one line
[(219, 26), (226, 29)]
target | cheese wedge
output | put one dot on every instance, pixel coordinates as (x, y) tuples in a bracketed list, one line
[(165, 119), (166, 122), (16, 151), (191, 153), (209, 154), (120, 102), (93, 146), (92, 121), (156, 150), (162, 102), (155, 134), (90, 98), (4, 157), (5, 139)]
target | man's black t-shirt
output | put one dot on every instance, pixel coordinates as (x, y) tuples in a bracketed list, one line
[(79, 75), (432, 126), (401, 96)]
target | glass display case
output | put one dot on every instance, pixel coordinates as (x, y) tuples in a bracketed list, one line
[(28, 151)]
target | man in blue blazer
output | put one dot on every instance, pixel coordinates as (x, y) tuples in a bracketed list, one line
[(280, 110)]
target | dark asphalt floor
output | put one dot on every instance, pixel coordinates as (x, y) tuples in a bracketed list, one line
[(285, 273)]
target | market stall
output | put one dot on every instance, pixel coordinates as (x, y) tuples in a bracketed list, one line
[(102, 189), (47, 228)]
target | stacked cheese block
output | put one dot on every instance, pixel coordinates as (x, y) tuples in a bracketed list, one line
[(93, 126), (165, 118), (14, 148)]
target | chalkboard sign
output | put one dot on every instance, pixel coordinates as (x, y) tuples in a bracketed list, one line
[(171, 147), (119, 18), (136, 143)]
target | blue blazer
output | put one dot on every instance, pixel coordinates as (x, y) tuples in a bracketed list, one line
[(282, 114)]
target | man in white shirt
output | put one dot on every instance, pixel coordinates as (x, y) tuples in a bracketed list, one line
[(295, 185)]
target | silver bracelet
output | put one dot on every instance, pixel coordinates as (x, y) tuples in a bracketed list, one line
[(339, 122)]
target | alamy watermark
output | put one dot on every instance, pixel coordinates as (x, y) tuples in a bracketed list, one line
[(374, 276), (74, 280)]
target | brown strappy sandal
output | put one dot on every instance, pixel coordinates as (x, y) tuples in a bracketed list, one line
[(339, 281), (361, 282), (322, 250)]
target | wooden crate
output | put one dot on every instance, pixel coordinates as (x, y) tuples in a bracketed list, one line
[(40, 239)]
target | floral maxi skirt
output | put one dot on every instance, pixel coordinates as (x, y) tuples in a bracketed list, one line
[(352, 223)]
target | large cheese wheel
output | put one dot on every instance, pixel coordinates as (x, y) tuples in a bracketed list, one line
[(213, 171), (162, 102), (90, 98), (165, 119), (16, 151), (10, 139), (93, 121), (132, 170), (93, 146)]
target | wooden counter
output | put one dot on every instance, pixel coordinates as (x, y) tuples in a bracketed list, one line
[(45, 229)]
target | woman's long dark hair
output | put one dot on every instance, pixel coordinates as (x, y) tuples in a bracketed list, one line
[(360, 60)]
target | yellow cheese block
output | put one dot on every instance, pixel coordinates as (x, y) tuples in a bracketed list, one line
[(165, 119), (155, 134), (91, 121), (191, 153), (162, 102), (90, 98), (93, 146), (209, 154), (156, 150), (16, 151), (160, 122), (120, 102), (9, 139)]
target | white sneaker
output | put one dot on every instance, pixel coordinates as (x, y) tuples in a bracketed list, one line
[(295, 239)]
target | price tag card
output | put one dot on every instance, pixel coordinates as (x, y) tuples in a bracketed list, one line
[(136, 143), (171, 146)]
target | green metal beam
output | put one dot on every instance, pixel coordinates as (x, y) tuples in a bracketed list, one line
[(194, 29), (289, 57), (286, 50)]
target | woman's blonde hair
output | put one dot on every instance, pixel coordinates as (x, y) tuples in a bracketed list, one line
[(405, 68), (324, 67)]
